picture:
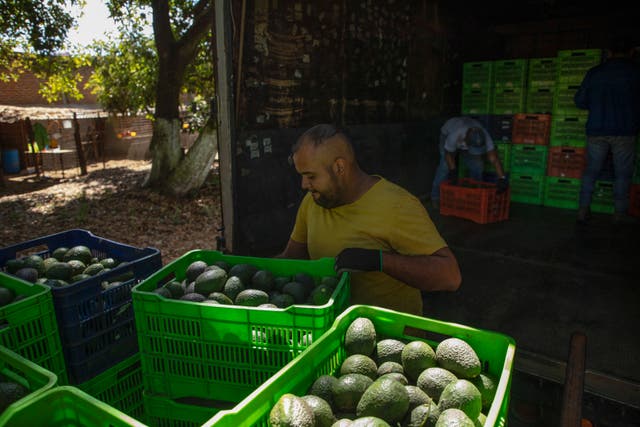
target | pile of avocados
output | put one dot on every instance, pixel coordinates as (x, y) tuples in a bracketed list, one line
[(386, 382), (247, 285), (64, 267)]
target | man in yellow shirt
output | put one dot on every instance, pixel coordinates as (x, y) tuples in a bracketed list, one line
[(375, 229)]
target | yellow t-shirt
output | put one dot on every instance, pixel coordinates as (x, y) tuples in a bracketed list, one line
[(386, 217)]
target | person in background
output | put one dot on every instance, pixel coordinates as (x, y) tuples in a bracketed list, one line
[(375, 229), (466, 137), (611, 93)]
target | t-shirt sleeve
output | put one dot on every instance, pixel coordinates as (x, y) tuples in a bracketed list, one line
[(413, 231), (451, 141), (299, 233)]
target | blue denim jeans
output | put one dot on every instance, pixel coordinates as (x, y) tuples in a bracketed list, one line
[(623, 151), (475, 164)]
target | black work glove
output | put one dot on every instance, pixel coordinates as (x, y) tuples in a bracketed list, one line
[(453, 176), (357, 259), (501, 185)]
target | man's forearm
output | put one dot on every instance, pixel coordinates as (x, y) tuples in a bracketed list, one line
[(436, 272)]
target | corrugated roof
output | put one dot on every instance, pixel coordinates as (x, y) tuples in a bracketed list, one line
[(14, 113)]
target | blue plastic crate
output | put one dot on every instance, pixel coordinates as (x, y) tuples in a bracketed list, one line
[(96, 325)]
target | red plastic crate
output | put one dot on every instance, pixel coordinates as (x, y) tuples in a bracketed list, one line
[(474, 200), (531, 129), (567, 162), (634, 200)]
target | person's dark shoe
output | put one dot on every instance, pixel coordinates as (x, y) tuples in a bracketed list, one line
[(584, 215)]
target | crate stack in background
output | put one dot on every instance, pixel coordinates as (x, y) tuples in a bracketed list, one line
[(199, 358), (477, 87), (541, 81), (530, 138), (509, 85)]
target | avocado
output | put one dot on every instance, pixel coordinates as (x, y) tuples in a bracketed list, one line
[(291, 411), (93, 269), (417, 356), (220, 297), (433, 380), (486, 385), (81, 253), (369, 422), (223, 265), (210, 281), (14, 265), (386, 399), (282, 300), (322, 411), (320, 295), (280, 281), (463, 395), (35, 261), (232, 287), (424, 415), (397, 376), (389, 350), (175, 288), (109, 262), (78, 277), (11, 392), (389, 367), (252, 298), (59, 270), (296, 290), (244, 271), (262, 280), (59, 253), (458, 357), (321, 387), (330, 281), (416, 396), (454, 417), (163, 292), (28, 274), (348, 390), (6, 296), (359, 364), (194, 297), (360, 337), (195, 269), (77, 266)]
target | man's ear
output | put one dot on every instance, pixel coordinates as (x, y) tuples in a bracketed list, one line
[(339, 166)]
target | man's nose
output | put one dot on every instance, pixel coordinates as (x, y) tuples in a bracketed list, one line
[(304, 183)]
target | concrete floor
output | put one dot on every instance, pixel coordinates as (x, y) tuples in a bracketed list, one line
[(538, 277)]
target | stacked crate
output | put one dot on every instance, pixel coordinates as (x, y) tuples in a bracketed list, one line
[(477, 87), (566, 160), (541, 82), (509, 82), (529, 152)]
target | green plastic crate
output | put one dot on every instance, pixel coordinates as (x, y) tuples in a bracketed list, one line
[(542, 72), (510, 73), (529, 159), (572, 65), (163, 412), (568, 131), (476, 100), (540, 100), (224, 352), (66, 406), (508, 101), (602, 197), (120, 387), (477, 75), (527, 188), (495, 350), (29, 326), (563, 101), (560, 192), (34, 378)]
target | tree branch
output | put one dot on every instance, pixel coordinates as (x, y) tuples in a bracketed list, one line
[(202, 22)]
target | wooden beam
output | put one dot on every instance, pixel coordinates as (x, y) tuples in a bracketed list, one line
[(571, 414), (226, 123)]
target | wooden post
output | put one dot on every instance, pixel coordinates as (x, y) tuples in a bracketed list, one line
[(223, 60), (571, 414), (79, 151), (31, 140)]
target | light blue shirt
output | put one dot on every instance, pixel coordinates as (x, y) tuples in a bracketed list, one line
[(454, 131)]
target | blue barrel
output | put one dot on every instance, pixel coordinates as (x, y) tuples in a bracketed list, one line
[(11, 161)]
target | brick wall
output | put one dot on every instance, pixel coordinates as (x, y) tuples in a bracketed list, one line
[(25, 91)]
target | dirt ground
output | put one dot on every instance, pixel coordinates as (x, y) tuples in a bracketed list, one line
[(111, 203)]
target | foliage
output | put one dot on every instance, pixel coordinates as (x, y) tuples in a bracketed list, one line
[(125, 74)]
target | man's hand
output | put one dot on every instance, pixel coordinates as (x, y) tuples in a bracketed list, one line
[(453, 176), (501, 185), (357, 260)]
